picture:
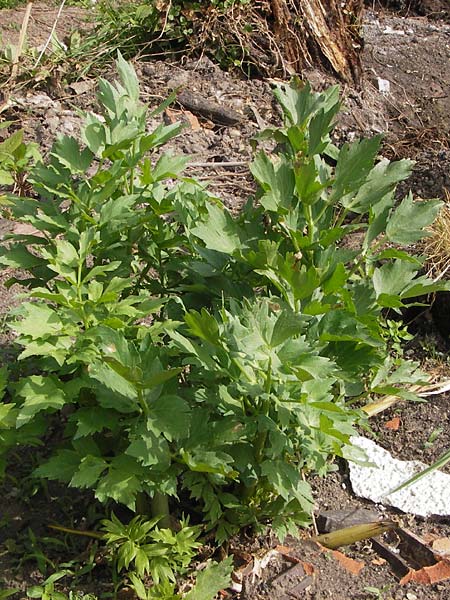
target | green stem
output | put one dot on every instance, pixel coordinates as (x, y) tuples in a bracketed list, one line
[(311, 224), (131, 180), (80, 296), (160, 506), (323, 211), (261, 438), (143, 506), (142, 402), (142, 276), (341, 219), (91, 534)]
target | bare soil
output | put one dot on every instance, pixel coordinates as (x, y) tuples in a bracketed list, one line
[(408, 47)]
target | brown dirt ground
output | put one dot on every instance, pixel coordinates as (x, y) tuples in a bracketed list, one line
[(410, 48)]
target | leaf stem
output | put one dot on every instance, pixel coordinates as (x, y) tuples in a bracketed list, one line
[(142, 402)]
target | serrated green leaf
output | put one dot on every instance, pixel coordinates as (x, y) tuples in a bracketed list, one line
[(380, 182), (94, 134), (19, 257), (354, 164), (408, 221), (219, 232), (169, 166), (287, 482), (288, 324), (6, 178), (11, 143), (39, 393), (392, 278), (205, 461), (114, 382), (212, 580), (149, 448), (67, 150), (157, 378), (93, 420), (378, 218), (35, 591), (8, 415), (340, 325), (142, 562), (61, 466), (100, 270), (89, 471), (171, 415), (277, 181), (336, 281), (7, 593), (320, 126), (57, 347), (203, 325), (40, 321), (118, 209), (122, 482)]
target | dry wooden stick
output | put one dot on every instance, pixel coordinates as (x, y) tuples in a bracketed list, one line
[(41, 54), (216, 165), (19, 49)]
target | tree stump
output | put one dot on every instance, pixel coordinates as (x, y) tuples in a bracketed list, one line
[(284, 37), (326, 32)]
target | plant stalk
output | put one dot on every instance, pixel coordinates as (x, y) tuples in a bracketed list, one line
[(160, 507)]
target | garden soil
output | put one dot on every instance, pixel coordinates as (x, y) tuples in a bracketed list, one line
[(405, 95)]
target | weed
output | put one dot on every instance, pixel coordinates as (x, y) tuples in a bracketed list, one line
[(433, 437), (397, 334), (10, 3), (160, 553), (16, 158), (7, 593), (378, 593)]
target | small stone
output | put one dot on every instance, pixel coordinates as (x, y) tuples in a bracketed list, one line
[(52, 123), (411, 596), (234, 133), (180, 80), (384, 85)]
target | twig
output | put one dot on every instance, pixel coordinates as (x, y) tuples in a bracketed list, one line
[(19, 49), (214, 165), (166, 18), (41, 54), (91, 534)]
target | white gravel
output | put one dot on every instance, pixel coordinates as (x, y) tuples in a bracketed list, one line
[(428, 496)]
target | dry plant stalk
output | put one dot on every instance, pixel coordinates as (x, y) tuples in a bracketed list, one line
[(378, 406), (20, 45)]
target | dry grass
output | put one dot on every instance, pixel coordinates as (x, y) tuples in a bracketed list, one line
[(436, 247)]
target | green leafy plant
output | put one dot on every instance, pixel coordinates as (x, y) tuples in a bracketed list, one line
[(10, 3), (16, 158), (6, 593), (397, 335), (211, 580), (48, 591), (378, 593), (144, 549), (189, 353), (141, 548)]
